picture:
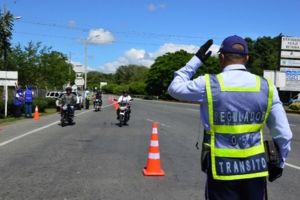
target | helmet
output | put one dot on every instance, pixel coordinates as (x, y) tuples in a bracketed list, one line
[(124, 93), (68, 89)]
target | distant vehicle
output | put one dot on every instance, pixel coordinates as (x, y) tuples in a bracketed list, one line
[(53, 94), (79, 100), (295, 99)]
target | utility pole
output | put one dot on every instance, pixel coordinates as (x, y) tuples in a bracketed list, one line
[(70, 62), (85, 64)]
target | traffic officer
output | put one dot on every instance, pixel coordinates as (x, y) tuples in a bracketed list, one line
[(235, 106), (28, 94), (18, 102)]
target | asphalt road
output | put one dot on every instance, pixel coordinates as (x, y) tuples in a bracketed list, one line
[(96, 160)]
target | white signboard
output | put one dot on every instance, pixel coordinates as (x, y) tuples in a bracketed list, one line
[(290, 43), (79, 81), (290, 63), (292, 79), (102, 84), (279, 76), (8, 82), (9, 75), (290, 54)]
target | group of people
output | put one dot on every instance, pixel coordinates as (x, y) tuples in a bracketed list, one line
[(23, 97), (70, 99)]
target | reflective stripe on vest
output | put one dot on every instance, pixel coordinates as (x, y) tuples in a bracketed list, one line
[(236, 125)]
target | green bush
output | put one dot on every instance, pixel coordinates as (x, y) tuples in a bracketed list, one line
[(295, 106), (42, 103), (137, 88), (109, 88)]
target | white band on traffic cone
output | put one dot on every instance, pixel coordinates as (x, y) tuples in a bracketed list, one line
[(154, 156), (154, 130), (154, 143)]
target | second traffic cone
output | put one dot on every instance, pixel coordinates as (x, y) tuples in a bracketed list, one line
[(153, 167), (36, 115)]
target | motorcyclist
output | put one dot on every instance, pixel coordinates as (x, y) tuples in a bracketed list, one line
[(69, 99), (124, 98), (98, 96)]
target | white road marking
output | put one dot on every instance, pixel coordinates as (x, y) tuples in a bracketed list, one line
[(41, 128), (293, 125), (194, 110), (28, 133), (292, 166), (162, 124)]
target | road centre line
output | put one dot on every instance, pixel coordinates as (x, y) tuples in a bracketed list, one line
[(292, 166), (41, 128)]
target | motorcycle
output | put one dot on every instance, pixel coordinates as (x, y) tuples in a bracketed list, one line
[(67, 115), (124, 114), (97, 105)]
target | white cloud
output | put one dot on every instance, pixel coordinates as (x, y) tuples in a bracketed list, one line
[(131, 56), (141, 57), (72, 24), (152, 7), (100, 36)]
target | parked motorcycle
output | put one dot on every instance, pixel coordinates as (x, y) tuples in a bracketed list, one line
[(97, 105), (67, 115)]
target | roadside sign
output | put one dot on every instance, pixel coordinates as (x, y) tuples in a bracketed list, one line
[(280, 77), (290, 63), (7, 78), (8, 82), (79, 81), (290, 43), (292, 79), (102, 84), (290, 54), (9, 75)]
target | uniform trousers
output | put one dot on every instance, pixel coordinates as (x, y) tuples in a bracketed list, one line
[(244, 189)]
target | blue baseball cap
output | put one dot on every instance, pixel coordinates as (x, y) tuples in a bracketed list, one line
[(227, 45)]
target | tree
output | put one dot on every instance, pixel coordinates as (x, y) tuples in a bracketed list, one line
[(6, 28), (127, 73), (263, 54), (95, 77), (161, 72)]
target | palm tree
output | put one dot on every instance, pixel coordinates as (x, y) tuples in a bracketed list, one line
[(6, 28)]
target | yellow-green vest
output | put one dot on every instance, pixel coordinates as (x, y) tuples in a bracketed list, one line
[(237, 116)]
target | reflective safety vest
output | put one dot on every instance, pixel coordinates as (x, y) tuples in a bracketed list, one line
[(237, 116), (28, 96)]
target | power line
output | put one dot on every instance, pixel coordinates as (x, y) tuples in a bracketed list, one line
[(128, 33), (79, 41)]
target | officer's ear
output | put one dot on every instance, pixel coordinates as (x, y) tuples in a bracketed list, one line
[(222, 60)]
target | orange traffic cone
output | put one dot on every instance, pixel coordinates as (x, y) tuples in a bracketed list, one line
[(153, 163), (36, 115)]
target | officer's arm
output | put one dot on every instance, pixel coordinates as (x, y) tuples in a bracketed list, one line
[(279, 127), (183, 88)]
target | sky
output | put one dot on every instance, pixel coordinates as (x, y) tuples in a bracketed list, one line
[(123, 32)]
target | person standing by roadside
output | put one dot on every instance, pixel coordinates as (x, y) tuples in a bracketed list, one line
[(18, 102), (28, 94), (235, 106)]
